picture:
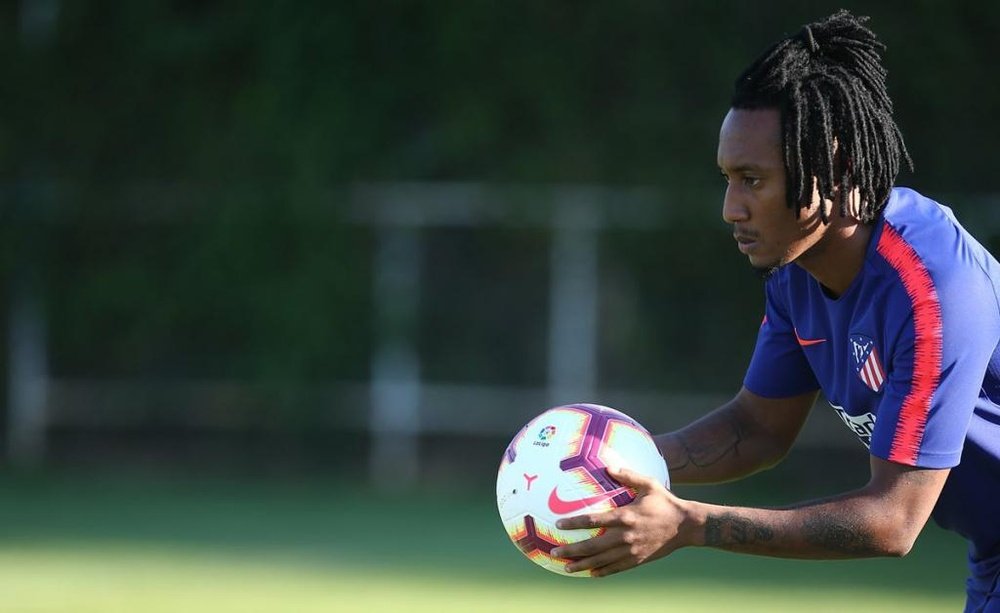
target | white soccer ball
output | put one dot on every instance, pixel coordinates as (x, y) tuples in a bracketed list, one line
[(556, 466)]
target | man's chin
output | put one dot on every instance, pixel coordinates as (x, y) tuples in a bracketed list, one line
[(764, 272)]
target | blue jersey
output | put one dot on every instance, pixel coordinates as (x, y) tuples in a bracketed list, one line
[(908, 356)]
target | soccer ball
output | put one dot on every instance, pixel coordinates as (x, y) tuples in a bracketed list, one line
[(556, 466)]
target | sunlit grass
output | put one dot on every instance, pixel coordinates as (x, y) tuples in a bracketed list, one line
[(132, 545), (103, 579)]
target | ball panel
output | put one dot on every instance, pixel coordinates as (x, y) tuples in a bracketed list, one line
[(540, 539)]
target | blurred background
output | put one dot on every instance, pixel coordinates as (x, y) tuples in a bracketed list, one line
[(272, 268)]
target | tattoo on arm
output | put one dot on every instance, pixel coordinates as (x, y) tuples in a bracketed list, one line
[(841, 535), (730, 529), (829, 533), (705, 453)]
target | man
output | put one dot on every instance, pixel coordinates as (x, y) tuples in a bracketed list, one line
[(874, 295)]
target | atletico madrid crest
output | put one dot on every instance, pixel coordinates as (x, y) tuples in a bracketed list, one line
[(866, 362)]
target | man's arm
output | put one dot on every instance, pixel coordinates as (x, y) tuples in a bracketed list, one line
[(747, 434), (881, 519)]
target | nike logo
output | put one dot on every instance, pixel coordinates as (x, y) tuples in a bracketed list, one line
[(806, 342), (561, 507)]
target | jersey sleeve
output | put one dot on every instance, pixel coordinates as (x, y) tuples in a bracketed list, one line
[(947, 335), (778, 368)]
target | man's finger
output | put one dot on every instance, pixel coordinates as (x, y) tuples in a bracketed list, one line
[(632, 479), (605, 559), (589, 520), (622, 563), (582, 549)]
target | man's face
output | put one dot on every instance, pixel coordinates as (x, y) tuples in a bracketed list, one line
[(750, 158)]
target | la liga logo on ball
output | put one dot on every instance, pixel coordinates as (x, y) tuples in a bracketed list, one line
[(545, 435), (542, 479)]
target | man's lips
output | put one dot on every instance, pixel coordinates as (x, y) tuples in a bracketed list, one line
[(745, 242)]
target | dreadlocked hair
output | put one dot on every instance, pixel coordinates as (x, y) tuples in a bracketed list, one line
[(828, 83)]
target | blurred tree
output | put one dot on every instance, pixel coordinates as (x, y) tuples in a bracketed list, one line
[(195, 150)]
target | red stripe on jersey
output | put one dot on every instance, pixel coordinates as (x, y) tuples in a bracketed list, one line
[(927, 344)]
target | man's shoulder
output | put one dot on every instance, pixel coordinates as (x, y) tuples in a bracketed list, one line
[(923, 233), (916, 217), (921, 248)]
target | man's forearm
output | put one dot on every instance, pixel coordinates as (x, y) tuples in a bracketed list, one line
[(706, 455), (718, 447), (850, 526), (747, 434)]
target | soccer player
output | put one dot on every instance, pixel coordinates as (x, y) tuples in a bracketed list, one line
[(875, 295)]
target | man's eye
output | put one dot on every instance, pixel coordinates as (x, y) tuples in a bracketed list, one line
[(751, 181)]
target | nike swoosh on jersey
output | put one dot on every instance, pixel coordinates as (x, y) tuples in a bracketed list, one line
[(806, 342), (561, 507)]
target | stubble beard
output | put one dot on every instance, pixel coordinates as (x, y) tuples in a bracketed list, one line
[(765, 272)]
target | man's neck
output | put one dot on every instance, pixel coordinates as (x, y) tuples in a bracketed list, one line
[(839, 257)]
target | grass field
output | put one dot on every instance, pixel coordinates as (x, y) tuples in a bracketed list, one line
[(138, 545)]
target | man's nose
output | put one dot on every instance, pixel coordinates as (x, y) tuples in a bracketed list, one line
[(734, 208)]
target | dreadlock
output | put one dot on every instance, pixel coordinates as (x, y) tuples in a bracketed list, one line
[(828, 83)]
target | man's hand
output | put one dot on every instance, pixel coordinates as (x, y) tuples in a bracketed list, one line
[(648, 528), (882, 518)]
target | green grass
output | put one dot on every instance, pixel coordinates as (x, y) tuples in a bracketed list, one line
[(109, 545)]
